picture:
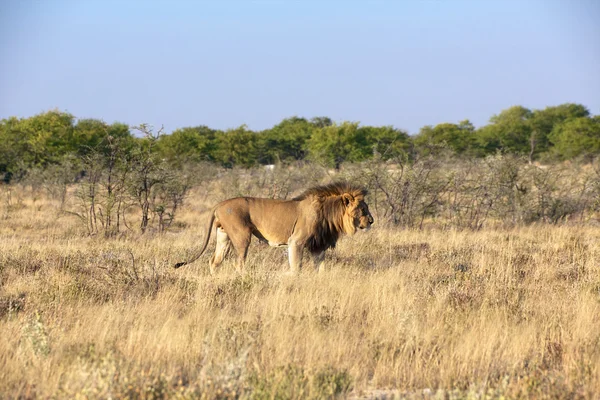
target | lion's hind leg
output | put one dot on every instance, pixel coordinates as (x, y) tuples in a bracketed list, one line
[(241, 242), (223, 246)]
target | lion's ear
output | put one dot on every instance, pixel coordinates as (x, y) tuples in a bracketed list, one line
[(347, 198)]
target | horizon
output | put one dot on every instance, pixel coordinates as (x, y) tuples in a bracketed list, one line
[(231, 63), (156, 128)]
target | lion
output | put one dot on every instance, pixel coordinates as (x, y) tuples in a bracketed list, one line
[(314, 220)]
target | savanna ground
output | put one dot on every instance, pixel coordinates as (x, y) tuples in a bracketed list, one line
[(429, 313)]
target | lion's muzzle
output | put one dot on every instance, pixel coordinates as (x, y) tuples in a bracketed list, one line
[(366, 222)]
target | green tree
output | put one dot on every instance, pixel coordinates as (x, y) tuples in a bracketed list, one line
[(544, 121), (93, 135), (321, 122), (335, 144), (35, 141), (49, 135), (386, 141), (12, 147), (509, 131), (237, 147), (188, 144), (460, 138), (88, 135), (576, 137), (285, 141), (522, 131)]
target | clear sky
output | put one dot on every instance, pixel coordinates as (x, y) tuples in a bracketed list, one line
[(225, 63)]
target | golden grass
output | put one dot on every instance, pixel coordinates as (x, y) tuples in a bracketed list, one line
[(512, 313)]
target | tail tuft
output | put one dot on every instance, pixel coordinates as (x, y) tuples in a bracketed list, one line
[(179, 264)]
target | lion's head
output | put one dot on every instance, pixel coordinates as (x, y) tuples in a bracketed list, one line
[(356, 213), (341, 208)]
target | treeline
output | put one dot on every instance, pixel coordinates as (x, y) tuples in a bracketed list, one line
[(560, 132)]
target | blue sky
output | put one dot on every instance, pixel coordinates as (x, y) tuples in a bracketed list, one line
[(225, 63)]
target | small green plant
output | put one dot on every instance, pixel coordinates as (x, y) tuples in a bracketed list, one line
[(35, 332), (293, 382)]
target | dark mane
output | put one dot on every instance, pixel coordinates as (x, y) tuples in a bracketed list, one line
[(329, 206)]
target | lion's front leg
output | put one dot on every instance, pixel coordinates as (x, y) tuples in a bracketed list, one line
[(295, 256), (319, 260)]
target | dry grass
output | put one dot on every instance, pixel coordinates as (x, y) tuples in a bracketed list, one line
[(512, 313)]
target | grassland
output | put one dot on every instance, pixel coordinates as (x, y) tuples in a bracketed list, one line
[(411, 313)]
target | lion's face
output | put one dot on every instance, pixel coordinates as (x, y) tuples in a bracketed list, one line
[(357, 215)]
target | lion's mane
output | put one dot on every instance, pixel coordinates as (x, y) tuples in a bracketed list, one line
[(329, 205)]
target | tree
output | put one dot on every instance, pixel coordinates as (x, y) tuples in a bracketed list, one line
[(35, 141), (11, 147), (49, 135), (237, 147), (94, 135), (386, 141), (45, 136), (460, 138), (321, 122), (335, 144), (544, 121), (88, 135), (285, 141), (522, 131), (509, 131), (576, 137), (188, 144)]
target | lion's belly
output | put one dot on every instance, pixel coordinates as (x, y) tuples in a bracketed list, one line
[(276, 244), (274, 239)]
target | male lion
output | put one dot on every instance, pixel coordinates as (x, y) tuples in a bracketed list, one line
[(314, 220)]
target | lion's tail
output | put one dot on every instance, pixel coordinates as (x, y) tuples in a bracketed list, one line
[(207, 237)]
